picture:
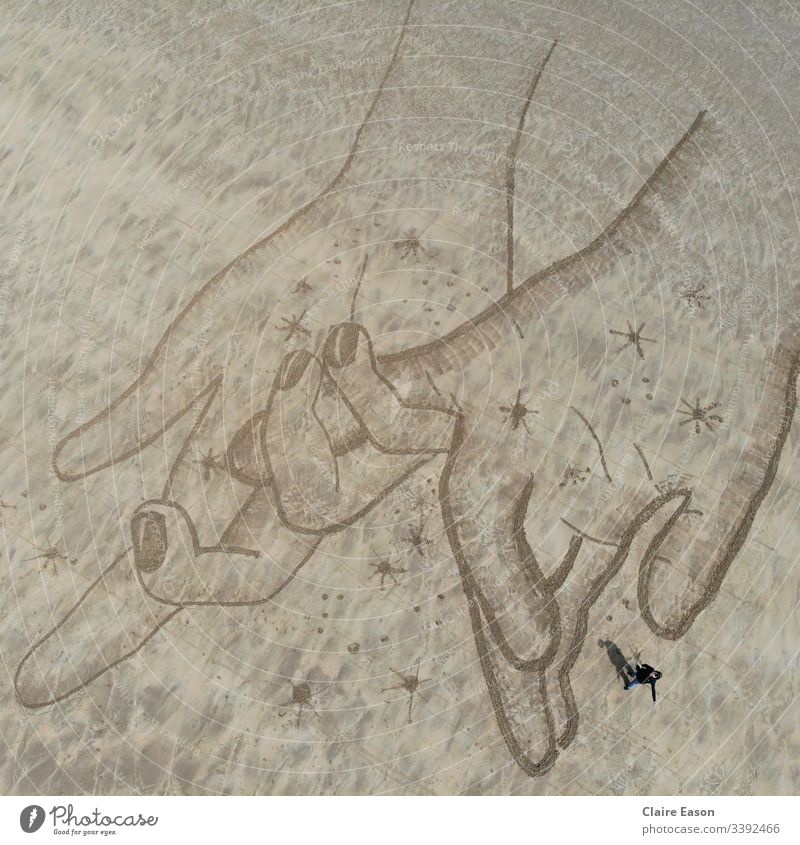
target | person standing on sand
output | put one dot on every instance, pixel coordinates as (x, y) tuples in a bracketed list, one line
[(644, 674)]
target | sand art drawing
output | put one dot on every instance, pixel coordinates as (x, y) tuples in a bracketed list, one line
[(343, 422)]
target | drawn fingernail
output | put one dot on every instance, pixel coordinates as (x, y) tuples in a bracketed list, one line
[(292, 368), (149, 531), (341, 345)]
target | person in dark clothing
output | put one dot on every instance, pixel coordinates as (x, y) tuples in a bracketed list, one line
[(644, 674)]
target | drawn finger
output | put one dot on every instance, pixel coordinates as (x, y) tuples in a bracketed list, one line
[(393, 424), (681, 574), (323, 481), (109, 623), (254, 559), (167, 389)]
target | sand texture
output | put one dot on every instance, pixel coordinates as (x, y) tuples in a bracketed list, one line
[(381, 381)]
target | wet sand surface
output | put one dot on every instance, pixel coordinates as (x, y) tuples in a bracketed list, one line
[(381, 380)]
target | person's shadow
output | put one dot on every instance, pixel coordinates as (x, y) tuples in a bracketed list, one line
[(624, 669)]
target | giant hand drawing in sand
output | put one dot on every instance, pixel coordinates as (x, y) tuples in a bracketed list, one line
[(275, 440)]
